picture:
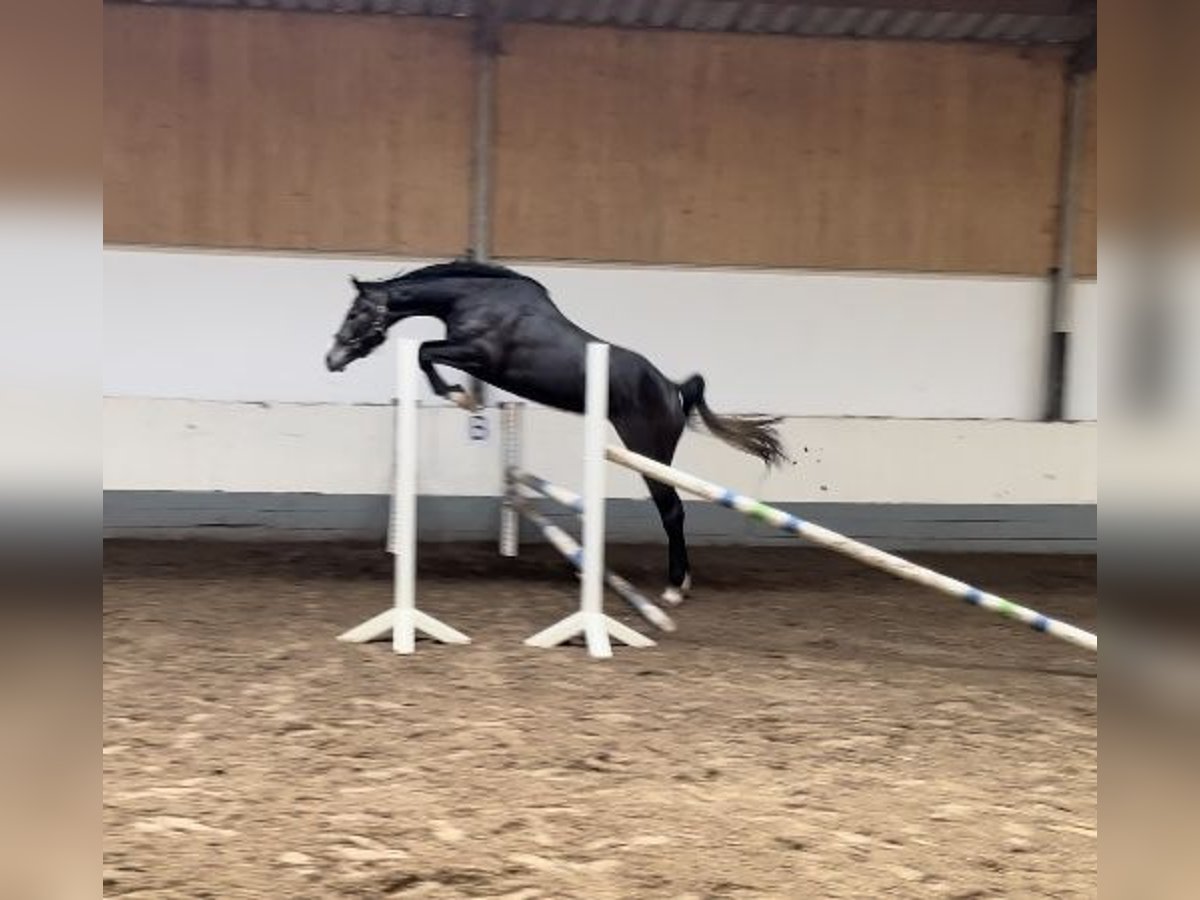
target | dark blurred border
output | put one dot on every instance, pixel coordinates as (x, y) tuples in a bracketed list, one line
[(1149, 194), (50, 321)]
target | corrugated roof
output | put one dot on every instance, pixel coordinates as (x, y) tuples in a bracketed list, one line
[(1005, 21)]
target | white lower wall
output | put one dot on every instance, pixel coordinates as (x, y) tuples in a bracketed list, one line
[(1082, 402), (255, 327), (188, 445), (903, 389)]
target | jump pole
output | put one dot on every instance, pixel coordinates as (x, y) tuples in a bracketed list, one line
[(839, 543), (404, 620), (515, 508), (590, 620), (548, 489), (561, 541)]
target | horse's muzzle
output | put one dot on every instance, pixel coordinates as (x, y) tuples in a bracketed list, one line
[(337, 359)]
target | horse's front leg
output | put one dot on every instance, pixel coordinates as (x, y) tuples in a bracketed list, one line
[(457, 356)]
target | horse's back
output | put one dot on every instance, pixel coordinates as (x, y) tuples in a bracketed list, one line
[(540, 354)]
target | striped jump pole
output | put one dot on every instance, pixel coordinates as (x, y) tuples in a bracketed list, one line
[(839, 543), (570, 500), (561, 541), (514, 508), (548, 489)]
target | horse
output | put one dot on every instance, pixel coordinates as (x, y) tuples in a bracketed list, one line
[(503, 329)]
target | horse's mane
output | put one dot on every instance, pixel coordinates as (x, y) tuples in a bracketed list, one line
[(460, 268)]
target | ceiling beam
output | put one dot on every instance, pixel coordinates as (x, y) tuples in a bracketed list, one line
[(1068, 8), (1083, 58)]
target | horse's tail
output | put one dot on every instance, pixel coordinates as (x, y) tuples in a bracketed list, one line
[(756, 435)]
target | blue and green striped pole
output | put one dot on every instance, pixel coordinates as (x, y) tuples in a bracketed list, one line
[(839, 543)]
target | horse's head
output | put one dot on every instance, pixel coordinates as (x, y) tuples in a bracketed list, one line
[(364, 327)]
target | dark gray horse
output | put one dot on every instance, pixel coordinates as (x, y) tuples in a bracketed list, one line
[(503, 329)]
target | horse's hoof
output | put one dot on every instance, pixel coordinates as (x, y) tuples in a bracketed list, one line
[(673, 596), (463, 400)]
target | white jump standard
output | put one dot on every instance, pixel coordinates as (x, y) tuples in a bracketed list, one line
[(404, 620), (590, 621)]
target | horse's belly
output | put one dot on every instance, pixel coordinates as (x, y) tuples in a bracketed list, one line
[(552, 380), (557, 393)]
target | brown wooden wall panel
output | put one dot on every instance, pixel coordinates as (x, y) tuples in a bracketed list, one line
[(258, 129), (1085, 226), (720, 149)]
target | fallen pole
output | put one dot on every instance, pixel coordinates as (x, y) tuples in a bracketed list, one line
[(573, 553), (839, 543), (568, 499), (548, 489)]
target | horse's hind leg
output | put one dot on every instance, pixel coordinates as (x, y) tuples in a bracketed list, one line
[(670, 510), (658, 441)]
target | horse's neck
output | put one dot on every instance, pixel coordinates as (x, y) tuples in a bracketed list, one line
[(425, 300)]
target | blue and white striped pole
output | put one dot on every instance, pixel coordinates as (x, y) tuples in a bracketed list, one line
[(839, 543), (560, 495), (561, 541)]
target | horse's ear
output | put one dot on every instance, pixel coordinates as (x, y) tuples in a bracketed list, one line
[(358, 285)]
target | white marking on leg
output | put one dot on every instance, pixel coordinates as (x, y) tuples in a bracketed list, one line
[(463, 400), (672, 596), (686, 587)]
